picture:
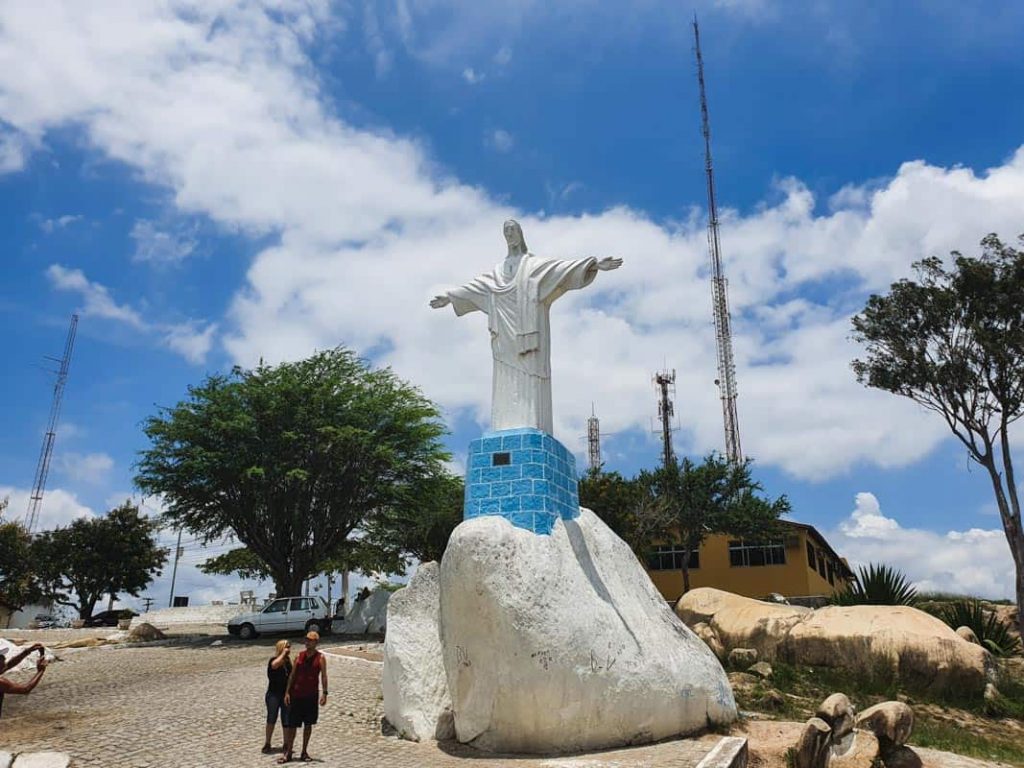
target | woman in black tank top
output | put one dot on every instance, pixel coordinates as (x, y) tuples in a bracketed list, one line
[(278, 669)]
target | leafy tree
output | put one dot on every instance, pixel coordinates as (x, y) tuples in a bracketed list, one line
[(615, 499), (953, 342), (421, 525), (688, 502), (877, 585), (292, 460), (97, 556), (18, 585)]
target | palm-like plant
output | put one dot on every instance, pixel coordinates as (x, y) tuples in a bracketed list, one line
[(877, 584), (993, 633)]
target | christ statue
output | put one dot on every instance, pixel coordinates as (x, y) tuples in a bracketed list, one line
[(517, 296)]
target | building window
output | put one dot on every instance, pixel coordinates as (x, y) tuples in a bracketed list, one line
[(744, 553), (821, 564), (669, 557), (832, 573), (810, 556)]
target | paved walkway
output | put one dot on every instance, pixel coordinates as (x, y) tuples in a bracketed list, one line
[(194, 704)]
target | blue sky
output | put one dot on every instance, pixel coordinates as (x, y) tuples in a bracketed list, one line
[(206, 184)]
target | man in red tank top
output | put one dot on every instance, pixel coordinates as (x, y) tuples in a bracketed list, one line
[(301, 697)]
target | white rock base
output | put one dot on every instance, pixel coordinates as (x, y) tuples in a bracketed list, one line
[(416, 700), (561, 643)]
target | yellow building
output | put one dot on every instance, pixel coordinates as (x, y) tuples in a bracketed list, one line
[(799, 564)]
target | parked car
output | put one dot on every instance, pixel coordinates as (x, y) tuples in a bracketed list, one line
[(109, 618), (285, 614)]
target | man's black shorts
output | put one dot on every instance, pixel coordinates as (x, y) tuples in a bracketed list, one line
[(304, 711)]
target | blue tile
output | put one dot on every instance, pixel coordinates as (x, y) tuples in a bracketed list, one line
[(542, 487), (490, 474), (511, 473), (522, 520), (520, 457), (471, 509), (534, 471), (533, 440), (522, 487), (511, 442), (490, 507), (479, 491), (490, 444), (479, 461), (510, 504), (500, 489)]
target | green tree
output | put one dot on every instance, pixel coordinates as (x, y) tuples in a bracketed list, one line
[(292, 460), (18, 585), (615, 499), (93, 557), (953, 342), (419, 527), (688, 502)]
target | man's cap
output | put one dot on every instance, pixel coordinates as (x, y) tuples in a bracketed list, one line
[(313, 636)]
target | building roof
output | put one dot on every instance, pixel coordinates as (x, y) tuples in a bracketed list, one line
[(813, 532)]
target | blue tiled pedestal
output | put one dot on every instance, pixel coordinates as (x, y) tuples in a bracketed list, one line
[(523, 475)]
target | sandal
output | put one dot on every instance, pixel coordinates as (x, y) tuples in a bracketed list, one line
[(266, 749), (304, 757), (285, 758)]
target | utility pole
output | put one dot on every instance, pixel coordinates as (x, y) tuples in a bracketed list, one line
[(174, 572), (665, 383), (726, 380), (148, 602), (35, 501)]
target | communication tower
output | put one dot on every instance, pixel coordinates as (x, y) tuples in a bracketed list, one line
[(35, 501), (593, 441), (665, 383), (726, 380)]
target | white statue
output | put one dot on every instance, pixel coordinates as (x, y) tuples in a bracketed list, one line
[(516, 297)]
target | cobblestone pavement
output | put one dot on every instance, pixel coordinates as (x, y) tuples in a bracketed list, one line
[(195, 704)]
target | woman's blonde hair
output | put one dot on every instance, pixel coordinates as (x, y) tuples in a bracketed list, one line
[(279, 645)]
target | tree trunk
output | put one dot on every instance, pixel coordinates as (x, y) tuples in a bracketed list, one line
[(288, 584), (686, 571)]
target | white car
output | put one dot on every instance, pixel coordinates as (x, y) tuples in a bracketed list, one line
[(285, 614)]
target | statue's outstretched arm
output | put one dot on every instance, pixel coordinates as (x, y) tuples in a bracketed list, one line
[(441, 300)]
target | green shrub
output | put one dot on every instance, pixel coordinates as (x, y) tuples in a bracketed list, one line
[(877, 584), (993, 633)]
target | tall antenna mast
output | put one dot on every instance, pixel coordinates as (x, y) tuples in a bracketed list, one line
[(665, 382), (726, 380), (35, 501), (593, 441)]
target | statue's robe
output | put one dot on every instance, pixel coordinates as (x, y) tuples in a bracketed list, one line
[(517, 312)]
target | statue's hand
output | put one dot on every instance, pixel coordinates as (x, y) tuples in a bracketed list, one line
[(608, 263), (440, 301)]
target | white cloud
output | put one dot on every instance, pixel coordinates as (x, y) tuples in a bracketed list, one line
[(159, 246), (500, 140), (503, 56), (191, 339), (58, 508), (972, 562), (473, 77), (92, 468), (52, 225), (14, 150), (221, 107)]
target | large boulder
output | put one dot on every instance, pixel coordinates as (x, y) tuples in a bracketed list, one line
[(368, 616), (866, 639), (416, 700), (561, 643)]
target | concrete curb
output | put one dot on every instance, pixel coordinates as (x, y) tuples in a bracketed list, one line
[(729, 752)]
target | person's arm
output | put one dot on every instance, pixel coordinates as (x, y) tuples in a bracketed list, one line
[(279, 661), (20, 656), (8, 686), (323, 679), (288, 687)]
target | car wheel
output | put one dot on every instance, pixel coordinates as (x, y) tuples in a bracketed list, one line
[(313, 626), (247, 632)]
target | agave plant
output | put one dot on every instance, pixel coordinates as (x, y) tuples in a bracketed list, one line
[(993, 633), (877, 584)]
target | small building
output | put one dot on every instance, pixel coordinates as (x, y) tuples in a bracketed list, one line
[(799, 564)]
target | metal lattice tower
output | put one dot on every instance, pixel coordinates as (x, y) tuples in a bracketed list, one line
[(665, 382), (593, 441), (45, 454), (726, 380)]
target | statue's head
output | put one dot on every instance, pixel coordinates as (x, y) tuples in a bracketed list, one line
[(514, 236)]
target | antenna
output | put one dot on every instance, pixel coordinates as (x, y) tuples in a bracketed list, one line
[(593, 441), (665, 382), (726, 380), (35, 501)]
